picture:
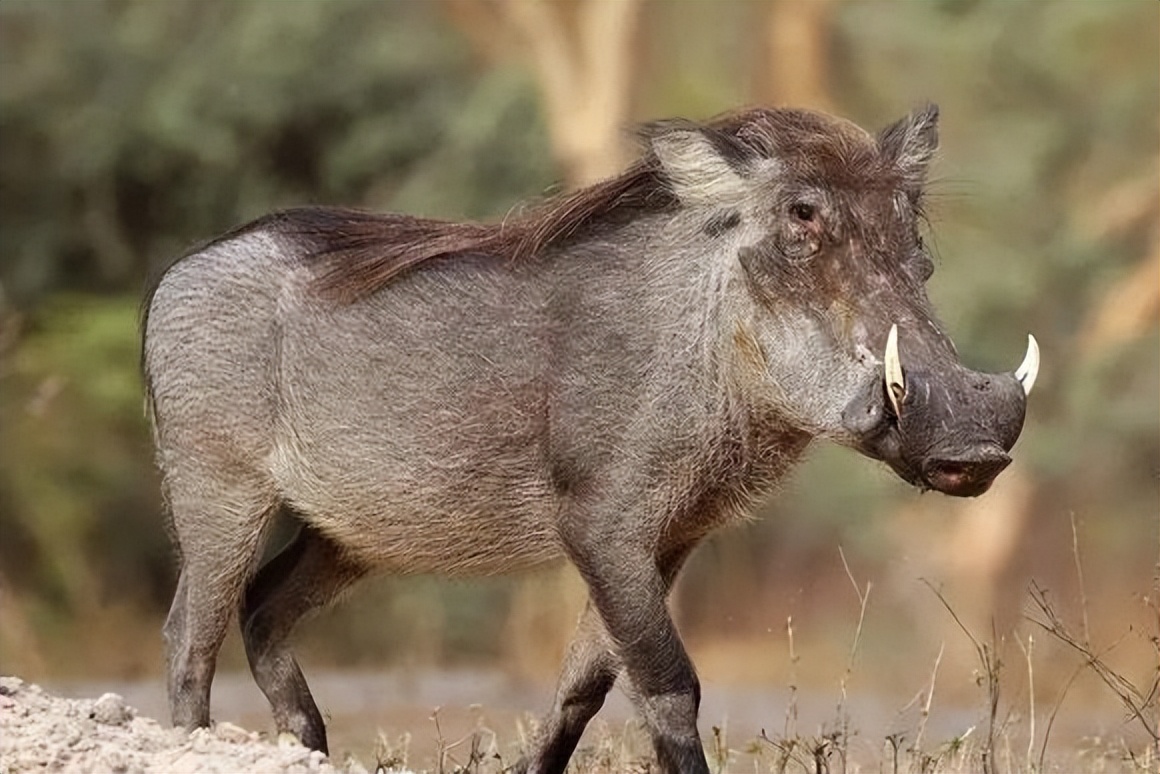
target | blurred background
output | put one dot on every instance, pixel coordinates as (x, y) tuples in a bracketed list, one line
[(131, 129)]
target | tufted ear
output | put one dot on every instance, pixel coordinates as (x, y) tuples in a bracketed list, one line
[(911, 143), (703, 166)]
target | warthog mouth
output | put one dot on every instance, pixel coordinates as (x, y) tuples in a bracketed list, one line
[(947, 429), (968, 474)]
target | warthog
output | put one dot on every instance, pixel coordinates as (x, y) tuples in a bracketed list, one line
[(608, 376)]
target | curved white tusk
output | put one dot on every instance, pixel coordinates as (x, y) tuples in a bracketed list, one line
[(1029, 368), (892, 368)]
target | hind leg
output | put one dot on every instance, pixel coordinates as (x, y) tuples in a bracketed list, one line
[(590, 669), (309, 573), (219, 537)]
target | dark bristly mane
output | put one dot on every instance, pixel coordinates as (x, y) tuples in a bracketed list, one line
[(361, 252)]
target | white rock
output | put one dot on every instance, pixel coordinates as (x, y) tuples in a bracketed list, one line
[(112, 710), (228, 732)]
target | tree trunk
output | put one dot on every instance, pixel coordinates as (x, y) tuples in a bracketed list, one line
[(581, 55), (798, 34)]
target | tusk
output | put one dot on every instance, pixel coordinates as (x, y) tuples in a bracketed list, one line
[(892, 367), (1029, 368)]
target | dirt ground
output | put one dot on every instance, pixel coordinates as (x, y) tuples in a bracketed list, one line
[(43, 732)]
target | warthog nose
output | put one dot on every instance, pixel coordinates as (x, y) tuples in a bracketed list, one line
[(968, 475)]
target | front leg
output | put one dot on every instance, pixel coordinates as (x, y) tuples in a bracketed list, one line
[(628, 586)]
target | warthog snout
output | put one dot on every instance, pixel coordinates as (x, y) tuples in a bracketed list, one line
[(942, 427)]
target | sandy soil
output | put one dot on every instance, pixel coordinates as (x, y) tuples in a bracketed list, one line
[(42, 732), (423, 722)]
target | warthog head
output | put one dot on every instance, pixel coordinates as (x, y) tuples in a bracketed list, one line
[(835, 334)]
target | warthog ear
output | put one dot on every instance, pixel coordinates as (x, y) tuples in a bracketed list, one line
[(703, 166), (911, 143)]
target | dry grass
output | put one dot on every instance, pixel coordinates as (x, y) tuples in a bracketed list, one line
[(627, 751), (1006, 742)]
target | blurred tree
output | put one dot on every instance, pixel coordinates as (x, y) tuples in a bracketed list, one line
[(82, 537), (132, 129), (1131, 306), (581, 55), (798, 56)]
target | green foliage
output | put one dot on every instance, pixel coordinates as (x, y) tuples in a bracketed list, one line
[(80, 512), (132, 129)]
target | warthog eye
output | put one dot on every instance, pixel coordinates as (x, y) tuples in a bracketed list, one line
[(803, 211)]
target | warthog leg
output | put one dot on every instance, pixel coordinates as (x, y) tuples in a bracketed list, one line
[(307, 574), (628, 585), (219, 543), (665, 689), (590, 669)]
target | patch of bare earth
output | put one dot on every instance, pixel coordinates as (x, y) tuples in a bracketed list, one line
[(42, 732)]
